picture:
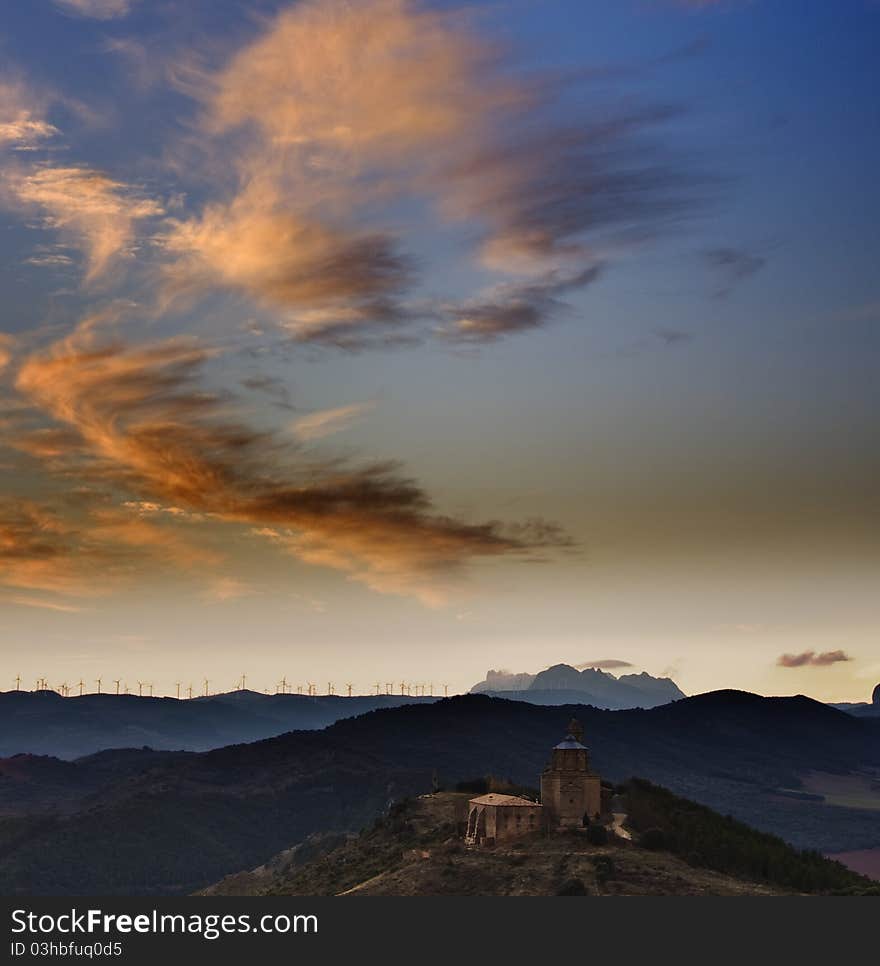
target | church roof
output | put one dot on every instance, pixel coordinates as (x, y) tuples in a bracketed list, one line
[(569, 742), (494, 799)]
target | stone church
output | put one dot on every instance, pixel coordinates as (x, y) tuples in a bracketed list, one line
[(571, 795)]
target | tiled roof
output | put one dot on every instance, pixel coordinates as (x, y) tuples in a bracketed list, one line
[(493, 799)]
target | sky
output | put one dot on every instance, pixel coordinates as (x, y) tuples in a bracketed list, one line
[(382, 341)]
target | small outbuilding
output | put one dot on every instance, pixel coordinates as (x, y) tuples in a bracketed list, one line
[(496, 818)]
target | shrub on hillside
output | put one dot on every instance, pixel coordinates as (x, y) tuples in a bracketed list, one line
[(597, 834), (572, 887), (653, 839), (605, 868)]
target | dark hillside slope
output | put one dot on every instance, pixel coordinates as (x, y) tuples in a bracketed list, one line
[(154, 822)]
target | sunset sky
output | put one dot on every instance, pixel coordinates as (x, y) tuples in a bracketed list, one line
[(377, 340)]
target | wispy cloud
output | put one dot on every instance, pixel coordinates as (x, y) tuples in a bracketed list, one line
[(326, 422), (606, 664), (23, 121), (514, 307), (224, 589), (97, 9), (733, 266), (40, 603), (88, 207), (140, 424), (812, 659)]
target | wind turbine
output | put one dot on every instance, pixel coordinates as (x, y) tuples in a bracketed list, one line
[(348, 686), (117, 686), (81, 684), (140, 689), (378, 687), (17, 682), (177, 685), (206, 687), (98, 682), (190, 691)]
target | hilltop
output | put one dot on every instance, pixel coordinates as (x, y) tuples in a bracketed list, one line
[(416, 849)]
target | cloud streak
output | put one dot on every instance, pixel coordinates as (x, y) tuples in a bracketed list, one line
[(97, 9), (812, 659), (326, 422), (23, 122), (733, 266), (139, 423), (86, 206), (606, 664)]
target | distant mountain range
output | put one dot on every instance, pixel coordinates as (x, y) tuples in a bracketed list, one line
[(44, 723), (564, 684), (159, 822), (862, 708)]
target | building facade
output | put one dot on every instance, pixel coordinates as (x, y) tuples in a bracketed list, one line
[(497, 818), (570, 792)]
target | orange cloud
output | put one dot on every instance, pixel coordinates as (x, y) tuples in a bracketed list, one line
[(22, 116), (258, 245), (319, 114), (40, 551), (5, 350), (338, 110), (147, 429), (72, 554), (91, 209)]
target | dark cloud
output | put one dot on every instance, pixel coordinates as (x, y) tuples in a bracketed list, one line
[(733, 265), (663, 337), (606, 664), (812, 659), (673, 337), (547, 193), (276, 389), (515, 308)]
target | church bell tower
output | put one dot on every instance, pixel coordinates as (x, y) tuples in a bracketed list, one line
[(570, 792)]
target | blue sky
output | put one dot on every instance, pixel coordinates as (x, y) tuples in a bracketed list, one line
[(557, 342)]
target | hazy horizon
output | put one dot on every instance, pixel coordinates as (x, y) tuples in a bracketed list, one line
[(394, 341)]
